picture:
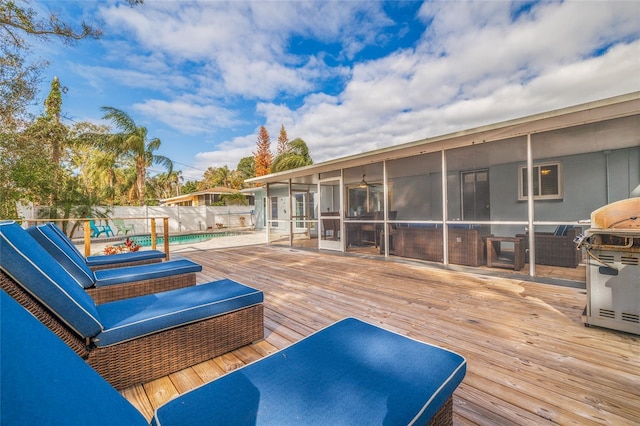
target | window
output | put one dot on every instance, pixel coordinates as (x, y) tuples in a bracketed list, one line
[(358, 201), (362, 201), (547, 182)]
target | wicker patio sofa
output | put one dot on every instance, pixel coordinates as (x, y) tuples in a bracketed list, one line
[(133, 340), (466, 246), (343, 374), (119, 260), (106, 285), (555, 248)]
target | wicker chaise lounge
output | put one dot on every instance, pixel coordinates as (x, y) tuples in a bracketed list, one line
[(106, 285), (133, 340), (59, 238), (348, 373)]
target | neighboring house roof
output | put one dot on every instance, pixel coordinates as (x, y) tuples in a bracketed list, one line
[(219, 190), (592, 112)]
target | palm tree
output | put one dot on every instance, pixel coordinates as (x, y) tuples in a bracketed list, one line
[(132, 144), (165, 185), (173, 182), (216, 176), (296, 155), (223, 176)]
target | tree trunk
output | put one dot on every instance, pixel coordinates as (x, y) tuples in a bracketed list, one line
[(141, 172)]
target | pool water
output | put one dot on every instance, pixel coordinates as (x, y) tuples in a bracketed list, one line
[(145, 240)]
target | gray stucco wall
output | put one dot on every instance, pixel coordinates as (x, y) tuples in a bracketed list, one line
[(584, 186)]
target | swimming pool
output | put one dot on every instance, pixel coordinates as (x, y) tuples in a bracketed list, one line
[(145, 240)]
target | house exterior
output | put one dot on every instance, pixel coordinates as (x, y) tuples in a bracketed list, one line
[(208, 197), (441, 198)]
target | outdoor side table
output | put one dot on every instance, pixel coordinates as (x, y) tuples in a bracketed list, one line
[(496, 257)]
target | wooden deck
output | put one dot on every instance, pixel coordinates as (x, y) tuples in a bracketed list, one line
[(530, 358)]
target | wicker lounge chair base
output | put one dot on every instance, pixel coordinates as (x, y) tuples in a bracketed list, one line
[(163, 353), (148, 358), (124, 291), (444, 416), (124, 264)]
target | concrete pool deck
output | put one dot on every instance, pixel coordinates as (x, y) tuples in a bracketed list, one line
[(242, 239)]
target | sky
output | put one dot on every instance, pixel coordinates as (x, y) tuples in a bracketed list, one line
[(345, 76)]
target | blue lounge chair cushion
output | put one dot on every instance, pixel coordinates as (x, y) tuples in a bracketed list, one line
[(348, 373), (135, 317), (561, 230), (76, 265), (53, 228), (22, 258), (45, 382), (115, 259), (105, 277), (58, 237), (66, 254)]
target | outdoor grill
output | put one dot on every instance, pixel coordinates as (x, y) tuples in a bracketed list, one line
[(613, 267)]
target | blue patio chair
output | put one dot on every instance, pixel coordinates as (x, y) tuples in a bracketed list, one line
[(133, 340), (349, 372), (53, 233), (97, 230), (106, 285)]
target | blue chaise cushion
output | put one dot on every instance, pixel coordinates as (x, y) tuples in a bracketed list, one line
[(66, 254), (69, 257), (349, 373), (114, 259), (138, 316), (52, 227), (105, 277), (44, 382), (28, 263)]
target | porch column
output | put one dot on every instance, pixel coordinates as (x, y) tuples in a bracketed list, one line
[(445, 211), (530, 209), (267, 208), (385, 207), (291, 218)]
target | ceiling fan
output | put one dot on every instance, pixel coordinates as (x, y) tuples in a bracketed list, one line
[(363, 183)]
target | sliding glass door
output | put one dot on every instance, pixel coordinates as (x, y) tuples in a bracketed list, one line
[(330, 214)]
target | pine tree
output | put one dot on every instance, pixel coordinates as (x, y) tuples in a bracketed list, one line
[(263, 156), (283, 141)]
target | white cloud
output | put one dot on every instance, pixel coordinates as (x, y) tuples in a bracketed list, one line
[(333, 130), (246, 44), (102, 78), (188, 117), (477, 63), (228, 154)]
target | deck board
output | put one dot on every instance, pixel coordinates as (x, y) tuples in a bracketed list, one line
[(530, 358)]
